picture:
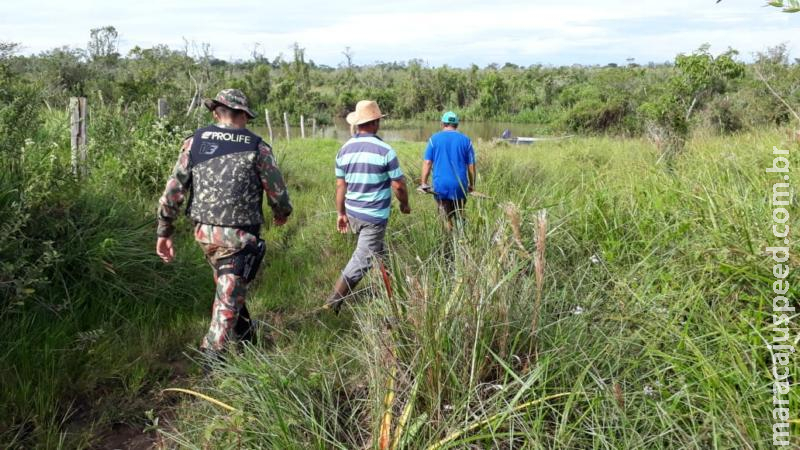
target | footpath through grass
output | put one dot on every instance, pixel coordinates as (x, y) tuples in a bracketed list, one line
[(652, 329)]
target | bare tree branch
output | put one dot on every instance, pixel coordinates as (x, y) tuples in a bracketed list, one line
[(785, 103)]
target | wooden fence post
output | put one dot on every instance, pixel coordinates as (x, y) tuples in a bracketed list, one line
[(313, 127), (269, 126), (286, 124), (163, 109), (302, 127), (77, 115), (74, 130)]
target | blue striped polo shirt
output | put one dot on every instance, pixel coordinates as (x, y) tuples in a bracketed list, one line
[(368, 166)]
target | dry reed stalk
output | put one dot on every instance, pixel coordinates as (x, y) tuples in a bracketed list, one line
[(503, 308), (618, 395), (503, 245), (387, 282), (417, 301), (506, 328), (202, 396), (401, 423), (388, 403), (539, 261)]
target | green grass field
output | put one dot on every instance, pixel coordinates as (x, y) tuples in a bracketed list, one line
[(652, 322), (651, 332)]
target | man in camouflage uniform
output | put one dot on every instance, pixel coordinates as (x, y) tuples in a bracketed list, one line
[(224, 168)]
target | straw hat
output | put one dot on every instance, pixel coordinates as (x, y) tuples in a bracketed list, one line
[(366, 111)]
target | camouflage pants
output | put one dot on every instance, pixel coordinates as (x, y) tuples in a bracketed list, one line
[(219, 243)]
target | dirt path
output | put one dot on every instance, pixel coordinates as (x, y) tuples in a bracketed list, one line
[(133, 435), (128, 437)]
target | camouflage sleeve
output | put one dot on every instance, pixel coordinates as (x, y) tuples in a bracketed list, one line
[(177, 185), (272, 182)]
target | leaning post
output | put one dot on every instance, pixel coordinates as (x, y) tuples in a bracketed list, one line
[(82, 142), (302, 127), (163, 109), (286, 124), (269, 126)]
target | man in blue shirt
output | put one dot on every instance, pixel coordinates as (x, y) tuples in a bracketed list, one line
[(452, 158), (367, 172)]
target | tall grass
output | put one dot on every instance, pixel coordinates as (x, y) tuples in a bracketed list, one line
[(650, 332), (92, 321)]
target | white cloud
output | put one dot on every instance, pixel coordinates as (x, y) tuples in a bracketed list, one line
[(458, 33)]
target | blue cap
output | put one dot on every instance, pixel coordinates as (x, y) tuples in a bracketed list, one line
[(450, 118)]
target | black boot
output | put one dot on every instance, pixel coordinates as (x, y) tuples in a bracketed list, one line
[(340, 290), (244, 329)]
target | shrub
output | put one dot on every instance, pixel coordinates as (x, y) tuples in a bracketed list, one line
[(725, 115), (595, 115)]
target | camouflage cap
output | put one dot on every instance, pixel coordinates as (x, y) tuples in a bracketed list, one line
[(232, 98)]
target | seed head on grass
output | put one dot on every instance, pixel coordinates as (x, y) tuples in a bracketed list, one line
[(541, 236), (512, 212)]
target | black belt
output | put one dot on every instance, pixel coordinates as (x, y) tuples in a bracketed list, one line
[(255, 230)]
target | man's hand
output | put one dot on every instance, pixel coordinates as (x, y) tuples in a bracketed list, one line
[(400, 191), (342, 224), (165, 250), (279, 221)]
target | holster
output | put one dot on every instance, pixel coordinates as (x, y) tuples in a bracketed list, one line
[(246, 262)]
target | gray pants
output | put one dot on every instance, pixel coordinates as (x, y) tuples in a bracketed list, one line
[(370, 245)]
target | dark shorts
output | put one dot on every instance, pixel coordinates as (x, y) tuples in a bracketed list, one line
[(450, 208)]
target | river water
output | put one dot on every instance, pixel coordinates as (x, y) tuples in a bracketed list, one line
[(405, 131)]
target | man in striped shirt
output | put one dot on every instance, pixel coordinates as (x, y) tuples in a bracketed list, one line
[(367, 172)]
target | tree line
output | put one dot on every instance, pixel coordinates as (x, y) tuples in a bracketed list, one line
[(717, 90)]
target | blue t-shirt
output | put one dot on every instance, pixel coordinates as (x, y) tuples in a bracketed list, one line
[(451, 152)]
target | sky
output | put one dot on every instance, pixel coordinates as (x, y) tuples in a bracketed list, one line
[(456, 33)]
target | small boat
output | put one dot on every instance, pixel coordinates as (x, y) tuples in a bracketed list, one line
[(520, 140), (507, 137)]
